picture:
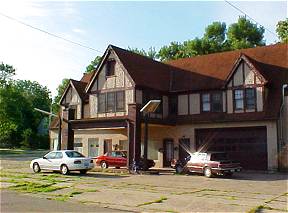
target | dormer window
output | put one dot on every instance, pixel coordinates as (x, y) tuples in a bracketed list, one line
[(110, 68), (239, 99), (245, 99)]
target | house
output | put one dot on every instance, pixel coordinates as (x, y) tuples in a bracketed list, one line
[(233, 101)]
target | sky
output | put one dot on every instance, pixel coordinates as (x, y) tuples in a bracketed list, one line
[(40, 57)]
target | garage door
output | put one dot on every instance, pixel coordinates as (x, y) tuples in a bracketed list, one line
[(246, 145)]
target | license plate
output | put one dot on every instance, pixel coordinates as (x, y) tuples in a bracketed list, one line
[(86, 164), (232, 170)]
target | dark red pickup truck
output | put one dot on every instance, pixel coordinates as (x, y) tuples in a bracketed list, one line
[(207, 163)]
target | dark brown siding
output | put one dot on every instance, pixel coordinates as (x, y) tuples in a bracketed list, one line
[(246, 145)]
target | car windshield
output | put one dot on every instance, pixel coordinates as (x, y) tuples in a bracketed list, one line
[(74, 154), (218, 156)]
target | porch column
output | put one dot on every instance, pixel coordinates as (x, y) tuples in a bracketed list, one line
[(67, 134), (134, 133)]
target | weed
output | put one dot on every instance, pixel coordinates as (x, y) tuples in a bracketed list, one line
[(65, 197), (32, 187), (154, 201)]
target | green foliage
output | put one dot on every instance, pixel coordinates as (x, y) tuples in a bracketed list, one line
[(19, 120), (282, 30), (92, 66), (151, 53), (60, 90), (6, 73), (245, 34)]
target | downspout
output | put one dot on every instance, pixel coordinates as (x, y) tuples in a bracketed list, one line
[(281, 123), (281, 115)]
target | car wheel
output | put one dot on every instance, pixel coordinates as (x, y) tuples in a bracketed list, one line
[(83, 172), (179, 169), (64, 170), (207, 172), (104, 165), (36, 168)]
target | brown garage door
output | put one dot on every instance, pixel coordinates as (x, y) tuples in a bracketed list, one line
[(246, 145)]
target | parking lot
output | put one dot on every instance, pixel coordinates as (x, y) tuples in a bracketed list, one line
[(166, 192)]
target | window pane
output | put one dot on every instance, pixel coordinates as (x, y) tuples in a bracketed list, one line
[(101, 102), (120, 101), (250, 98), (110, 102), (110, 68), (206, 107), (206, 102), (216, 102), (206, 98), (238, 99)]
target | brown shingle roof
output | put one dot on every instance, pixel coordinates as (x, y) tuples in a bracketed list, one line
[(87, 77), (80, 88), (217, 66), (145, 71)]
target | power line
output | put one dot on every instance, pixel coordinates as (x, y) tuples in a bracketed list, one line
[(51, 34), (237, 8)]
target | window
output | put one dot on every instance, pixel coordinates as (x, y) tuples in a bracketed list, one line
[(250, 98), (110, 102), (206, 102), (78, 145), (173, 102), (74, 154), (110, 68), (102, 102), (58, 155), (120, 103), (50, 155), (238, 99), (216, 102)]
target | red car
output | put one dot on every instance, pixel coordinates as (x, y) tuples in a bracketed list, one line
[(114, 158), (119, 159)]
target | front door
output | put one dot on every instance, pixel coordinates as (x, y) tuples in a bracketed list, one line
[(93, 146), (184, 148), (168, 152), (107, 145)]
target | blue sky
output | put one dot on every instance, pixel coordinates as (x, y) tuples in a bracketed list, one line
[(48, 60)]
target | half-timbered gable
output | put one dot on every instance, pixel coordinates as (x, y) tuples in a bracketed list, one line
[(111, 89)]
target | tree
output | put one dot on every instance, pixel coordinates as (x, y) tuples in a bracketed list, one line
[(92, 66), (282, 30), (242, 34), (173, 51), (60, 90), (151, 53), (245, 34), (6, 73)]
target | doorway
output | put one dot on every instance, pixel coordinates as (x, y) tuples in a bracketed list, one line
[(184, 148), (93, 146), (107, 145), (168, 152)]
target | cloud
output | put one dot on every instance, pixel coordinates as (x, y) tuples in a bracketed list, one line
[(36, 55), (78, 30)]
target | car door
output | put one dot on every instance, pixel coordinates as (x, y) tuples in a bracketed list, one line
[(57, 161), (123, 159), (46, 163)]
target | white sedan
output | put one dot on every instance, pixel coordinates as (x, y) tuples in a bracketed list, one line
[(63, 161)]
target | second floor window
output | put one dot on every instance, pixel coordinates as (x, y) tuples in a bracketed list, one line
[(206, 103), (111, 102), (110, 68), (212, 102), (245, 98), (239, 99), (250, 98)]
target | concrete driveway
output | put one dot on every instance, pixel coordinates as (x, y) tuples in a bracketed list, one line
[(244, 192)]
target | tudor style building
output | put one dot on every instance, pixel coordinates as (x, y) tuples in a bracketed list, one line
[(232, 101)]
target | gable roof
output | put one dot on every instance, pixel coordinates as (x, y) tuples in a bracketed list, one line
[(218, 66)]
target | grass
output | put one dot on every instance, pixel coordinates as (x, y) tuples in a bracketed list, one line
[(32, 187), (160, 200), (65, 197)]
